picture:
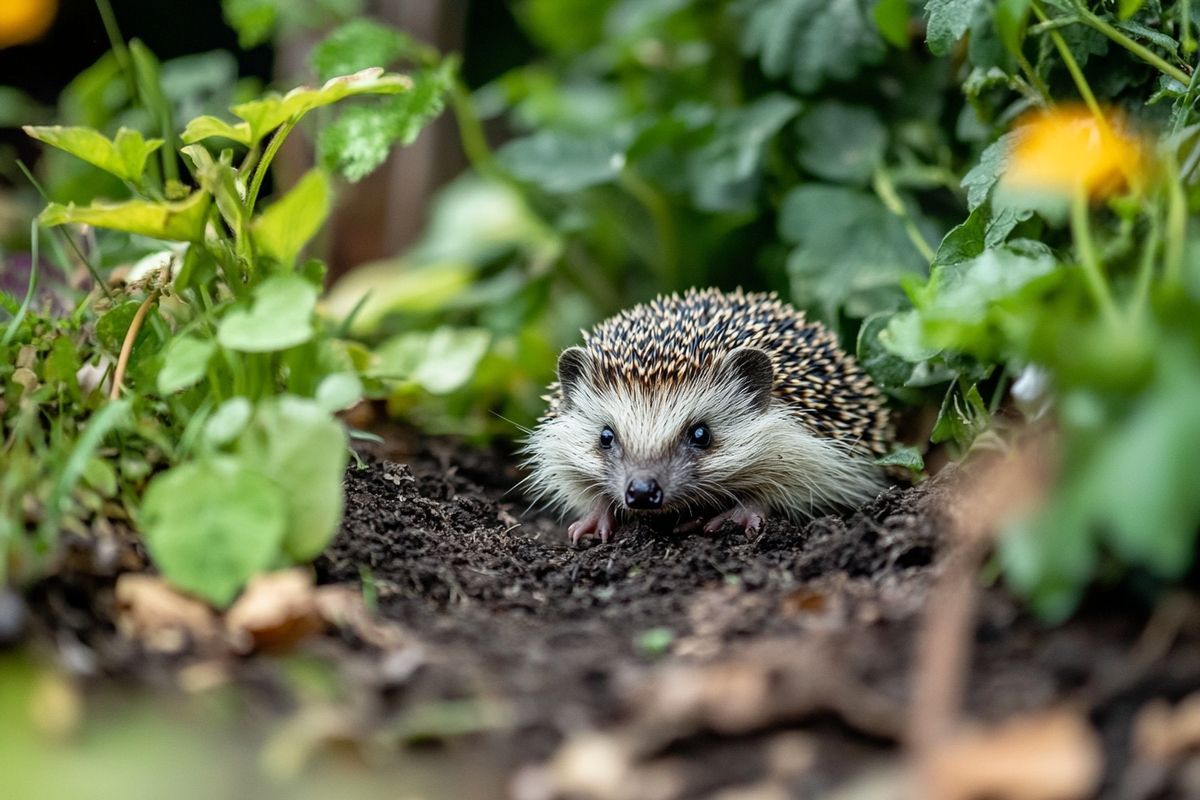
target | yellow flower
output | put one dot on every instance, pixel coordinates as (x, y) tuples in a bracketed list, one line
[(1065, 150), (25, 20)]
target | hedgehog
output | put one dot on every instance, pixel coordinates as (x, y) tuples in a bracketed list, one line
[(719, 406)]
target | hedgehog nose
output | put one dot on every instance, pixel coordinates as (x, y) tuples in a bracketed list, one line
[(644, 494)]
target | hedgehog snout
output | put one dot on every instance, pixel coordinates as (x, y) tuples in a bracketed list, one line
[(643, 494)]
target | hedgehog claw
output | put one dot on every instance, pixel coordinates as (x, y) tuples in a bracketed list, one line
[(748, 519), (598, 521)]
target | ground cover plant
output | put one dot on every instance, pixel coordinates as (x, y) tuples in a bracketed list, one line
[(991, 201)]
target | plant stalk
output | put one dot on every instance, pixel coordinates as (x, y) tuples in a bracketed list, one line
[(127, 345), (1086, 252)]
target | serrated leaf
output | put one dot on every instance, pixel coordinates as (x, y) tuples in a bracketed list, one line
[(184, 363), (886, 368), (841, 143), (178, 221), (360, 139), (812, 42), (850, 251), (907, 457), (948, 20), (291, 221), (280, 317), (303, 450), (212, 525), (125, 156), (562, 162), (725, 174), (359, 44), (260, 117)]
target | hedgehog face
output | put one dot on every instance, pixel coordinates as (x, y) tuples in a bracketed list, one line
[(674, 447)]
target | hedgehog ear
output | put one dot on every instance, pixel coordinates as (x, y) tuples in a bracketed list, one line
[(751, 368), (573, 365)]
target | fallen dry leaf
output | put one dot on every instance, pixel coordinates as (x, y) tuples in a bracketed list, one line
[(275, 612), (1048, 755), (343, 607), (1162, 732), (162, 619)]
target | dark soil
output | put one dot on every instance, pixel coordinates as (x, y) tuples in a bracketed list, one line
[(781, 662)]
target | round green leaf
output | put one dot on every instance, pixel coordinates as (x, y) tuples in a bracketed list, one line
[(281, 317), (212, 525), (184, 363)]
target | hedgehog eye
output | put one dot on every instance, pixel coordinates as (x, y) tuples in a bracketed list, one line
[(607, 437), (699, 436)]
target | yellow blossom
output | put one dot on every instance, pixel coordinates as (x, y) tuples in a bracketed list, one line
[(1066, 150), (25, 20)]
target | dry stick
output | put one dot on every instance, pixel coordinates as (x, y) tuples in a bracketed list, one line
[(127, 346)]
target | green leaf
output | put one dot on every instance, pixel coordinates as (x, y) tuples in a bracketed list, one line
[(969, 305), (260, 117), (811, 42), (850, 250), (212, 525), (291, 221), (891, 18), (360, 139), (112, 326), (280, 317), (228, 421), (339, 391), (124, 156), (962, 418), (725, 174), (841, 143), (304, 451), (562, 162), (178, 221), (887, 369), (907, 457), (1011, 17), (948, 21), (184, 363), (363, 43), (254, 20), (440, 361), (1127, 8), (219, 179), (980, 179), (62, 363)]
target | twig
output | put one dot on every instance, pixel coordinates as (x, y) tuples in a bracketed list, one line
[(127, 345)]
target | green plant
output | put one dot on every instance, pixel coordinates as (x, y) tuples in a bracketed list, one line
[(197, 396)]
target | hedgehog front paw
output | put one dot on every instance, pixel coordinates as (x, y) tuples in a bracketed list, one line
[(748, 518), (599, 521)]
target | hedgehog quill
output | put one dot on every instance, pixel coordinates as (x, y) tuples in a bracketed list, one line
[(720, 405)]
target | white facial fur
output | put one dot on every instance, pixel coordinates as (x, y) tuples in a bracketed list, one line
[(761, 453)]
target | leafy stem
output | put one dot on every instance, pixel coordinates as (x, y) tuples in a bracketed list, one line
[(1139, 50), (1085, 91), (260, 172), (1086, 251), (886, 191), (127, 344)]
